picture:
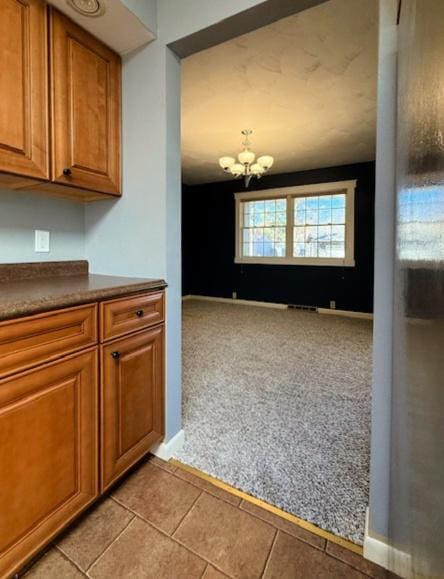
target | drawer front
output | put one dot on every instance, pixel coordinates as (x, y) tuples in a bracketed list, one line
[(123, 316), (26, 342)]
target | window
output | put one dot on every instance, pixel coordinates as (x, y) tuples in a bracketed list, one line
[(310, 225), (264, 228), (319, 226)]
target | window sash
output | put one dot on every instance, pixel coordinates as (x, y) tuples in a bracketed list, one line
[(260, 228), (292, 194), (327, 216)]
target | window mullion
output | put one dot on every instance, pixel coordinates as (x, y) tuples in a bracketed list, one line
[(290, 220)]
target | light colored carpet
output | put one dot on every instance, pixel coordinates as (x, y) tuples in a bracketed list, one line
[(277, 404)]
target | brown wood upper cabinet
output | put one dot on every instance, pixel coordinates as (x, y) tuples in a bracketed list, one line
[(85, 115), (23, 90), (79, 115)]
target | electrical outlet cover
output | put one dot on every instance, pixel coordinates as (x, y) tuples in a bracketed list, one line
[(41, 241)]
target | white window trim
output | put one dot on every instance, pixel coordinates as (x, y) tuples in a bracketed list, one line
[(347, 187)]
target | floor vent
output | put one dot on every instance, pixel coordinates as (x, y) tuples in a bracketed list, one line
[(299, 307)]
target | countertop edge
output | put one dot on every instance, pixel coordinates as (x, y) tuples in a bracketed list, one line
[(27, 308)]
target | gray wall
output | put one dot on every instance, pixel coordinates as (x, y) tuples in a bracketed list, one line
[(384, 267), (22, 213), (145, 10)]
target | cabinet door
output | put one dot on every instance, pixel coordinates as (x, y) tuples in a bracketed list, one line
[(23, 88), (85, 87), (132, 400), (48, 453)]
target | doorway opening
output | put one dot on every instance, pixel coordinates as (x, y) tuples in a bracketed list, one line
[(278, 277)]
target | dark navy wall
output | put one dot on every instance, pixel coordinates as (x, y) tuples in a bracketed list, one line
[(208, 246)]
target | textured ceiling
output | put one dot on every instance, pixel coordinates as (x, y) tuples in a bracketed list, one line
[(306, 86)]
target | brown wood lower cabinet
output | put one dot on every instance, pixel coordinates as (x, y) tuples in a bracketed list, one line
[(48, 453), (51, 423), (131, 400)]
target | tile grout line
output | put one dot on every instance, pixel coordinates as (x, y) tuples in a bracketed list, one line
[(109, 546), (188, 511), (177, 541), (352, 566), (66, 556), (199, 487), (159, 464), (323, 550), (267, 560), (326, 554), (237, 507)]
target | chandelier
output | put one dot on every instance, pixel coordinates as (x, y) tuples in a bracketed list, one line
[(246, 167)]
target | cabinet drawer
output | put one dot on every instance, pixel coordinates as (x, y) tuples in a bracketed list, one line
[(119, 317), (26, 342)]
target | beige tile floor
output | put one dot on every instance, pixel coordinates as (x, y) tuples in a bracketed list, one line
[(162, 522)]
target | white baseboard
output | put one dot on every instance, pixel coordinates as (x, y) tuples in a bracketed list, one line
[(389, 557), (349, 314), (239, 302), (166, 450), (382, 553)]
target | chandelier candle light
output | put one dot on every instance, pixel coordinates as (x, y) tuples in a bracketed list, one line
[(246, 167)]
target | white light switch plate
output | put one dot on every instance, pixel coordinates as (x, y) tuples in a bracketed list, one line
[(41, 241)]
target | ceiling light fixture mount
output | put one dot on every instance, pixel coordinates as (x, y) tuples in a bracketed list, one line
[(246, 167), (87, 7)]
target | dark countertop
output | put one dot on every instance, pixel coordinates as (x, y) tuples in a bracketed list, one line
[(44, 287)]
